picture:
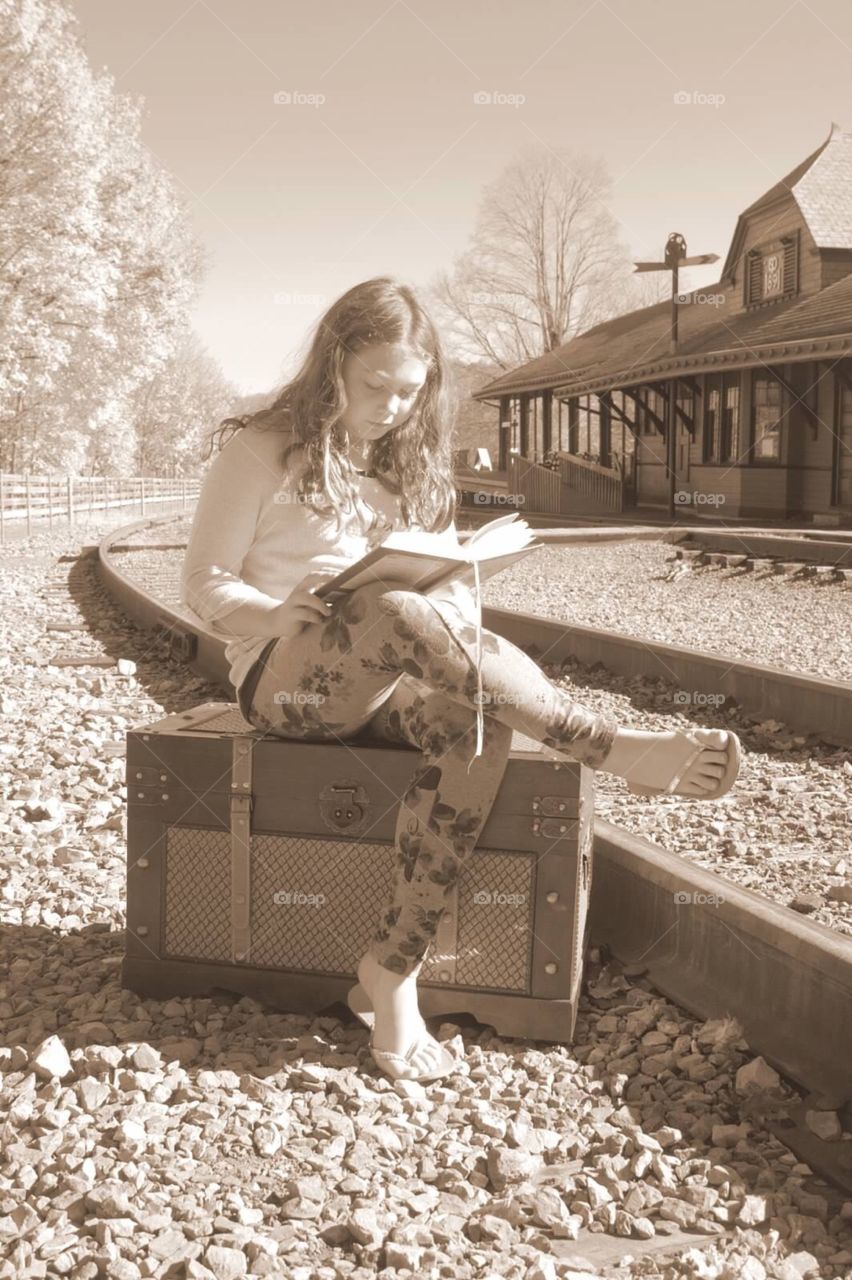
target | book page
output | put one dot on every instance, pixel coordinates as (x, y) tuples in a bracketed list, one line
[(497, 537), (486, 530), (396, 569), (423, 542), (418, 570)]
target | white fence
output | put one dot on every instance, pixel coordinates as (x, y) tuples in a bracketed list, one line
[(27, 497)]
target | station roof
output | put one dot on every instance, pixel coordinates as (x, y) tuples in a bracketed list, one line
[(710, 335), (713, 329)]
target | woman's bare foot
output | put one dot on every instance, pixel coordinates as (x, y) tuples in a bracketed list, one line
[(651, 758), (394, 999)]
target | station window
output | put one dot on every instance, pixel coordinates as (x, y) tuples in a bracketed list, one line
[(561, 432), (588, 426), (767, 410), (624, 403), (721, 417), (594, 426), (711, 420), (628, 404), (685, 401), (729, 443), (534, 450), (654, 401), (583, 425), (622, 417)]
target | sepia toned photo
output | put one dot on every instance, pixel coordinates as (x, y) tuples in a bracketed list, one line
[(426, 596)]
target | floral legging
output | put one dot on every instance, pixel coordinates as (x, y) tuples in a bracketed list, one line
[(402, 666)]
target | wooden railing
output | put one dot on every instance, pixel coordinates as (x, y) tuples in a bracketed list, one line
[(604, 485), (539, 487), (29, 497)]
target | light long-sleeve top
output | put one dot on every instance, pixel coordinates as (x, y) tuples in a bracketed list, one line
[(253, 540)]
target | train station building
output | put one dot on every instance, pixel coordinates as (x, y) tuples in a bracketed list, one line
[(761, 375)]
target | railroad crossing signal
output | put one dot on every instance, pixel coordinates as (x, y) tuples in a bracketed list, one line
[(674, 258)]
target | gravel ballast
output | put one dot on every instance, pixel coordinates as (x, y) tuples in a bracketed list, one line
[(216, 1138), (638, 589)]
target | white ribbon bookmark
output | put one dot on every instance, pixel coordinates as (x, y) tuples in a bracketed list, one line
[(480, 714)]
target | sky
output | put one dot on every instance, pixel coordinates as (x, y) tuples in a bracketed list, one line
[(374, 157)]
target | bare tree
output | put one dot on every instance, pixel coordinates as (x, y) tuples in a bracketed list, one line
[(545, 262), (645, 290)]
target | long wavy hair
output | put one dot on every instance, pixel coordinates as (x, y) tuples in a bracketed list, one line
[(414, 460)]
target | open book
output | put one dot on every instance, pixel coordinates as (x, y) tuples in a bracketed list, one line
[(421, 561)]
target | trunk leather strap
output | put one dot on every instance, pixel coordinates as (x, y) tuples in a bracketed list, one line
[(241, 805)]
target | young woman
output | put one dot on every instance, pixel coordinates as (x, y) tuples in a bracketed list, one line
[(356, 445)]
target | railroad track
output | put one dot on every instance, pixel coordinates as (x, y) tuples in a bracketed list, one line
[(819, 555), (786, 979)]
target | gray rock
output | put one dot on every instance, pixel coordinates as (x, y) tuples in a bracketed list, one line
[(363, 1226), (805, 903), (753, 1211), (490, 1227), (549, 1210), (146, 1058), (402, 1256), (51, 1060), (679, 1211), (825, 1124), (757, 1074), (168, 1244), (508, 1166), (225, 1263)]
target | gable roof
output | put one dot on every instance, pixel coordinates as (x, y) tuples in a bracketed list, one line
[(821, 186)]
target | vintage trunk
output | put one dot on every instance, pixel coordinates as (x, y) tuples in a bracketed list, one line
[(262, 866)]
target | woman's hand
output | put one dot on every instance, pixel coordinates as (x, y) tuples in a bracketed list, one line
[(303, 607)]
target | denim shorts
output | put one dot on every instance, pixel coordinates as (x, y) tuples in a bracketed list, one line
[(245, 693)]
